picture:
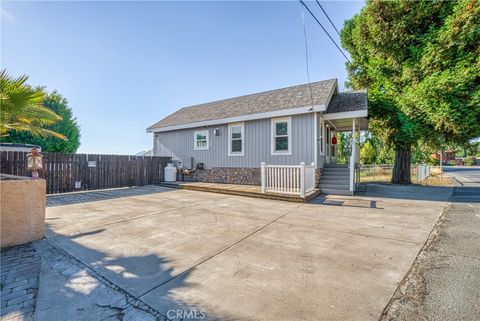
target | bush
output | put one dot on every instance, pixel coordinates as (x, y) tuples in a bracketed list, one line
[(469, 161)]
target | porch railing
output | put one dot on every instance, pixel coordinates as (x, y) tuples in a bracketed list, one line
[(288, 179)]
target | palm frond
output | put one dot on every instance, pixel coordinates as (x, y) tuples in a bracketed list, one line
[(22, 108)]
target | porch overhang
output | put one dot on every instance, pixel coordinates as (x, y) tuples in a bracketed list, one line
[(342, 122)]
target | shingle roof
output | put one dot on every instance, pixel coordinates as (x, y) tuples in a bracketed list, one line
[(273, 100), (348, 101)]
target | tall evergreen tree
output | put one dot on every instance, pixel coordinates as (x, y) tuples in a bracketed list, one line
[(420, 61)]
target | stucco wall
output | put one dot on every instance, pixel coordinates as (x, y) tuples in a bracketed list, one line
[(22, 202)]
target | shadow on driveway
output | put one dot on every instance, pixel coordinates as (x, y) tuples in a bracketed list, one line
[(409, 192), (74, 289)]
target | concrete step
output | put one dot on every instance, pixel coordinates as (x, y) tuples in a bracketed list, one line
[(336, 169), (335, 186), (336, 166), (335, 176), (340, 180), (335, 191), (338, 183)]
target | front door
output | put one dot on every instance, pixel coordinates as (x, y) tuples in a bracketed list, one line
[(330, 150)]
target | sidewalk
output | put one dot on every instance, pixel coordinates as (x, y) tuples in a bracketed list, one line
[(444, 282)]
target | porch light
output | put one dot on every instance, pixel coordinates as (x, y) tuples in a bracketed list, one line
[(34, 162), (334, 140)]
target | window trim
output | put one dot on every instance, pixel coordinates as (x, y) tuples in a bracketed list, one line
[(322, 137), (273, 121), (230, 126), (328, 139), (206, 132)]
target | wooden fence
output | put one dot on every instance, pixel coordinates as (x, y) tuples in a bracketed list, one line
[(75, 172)]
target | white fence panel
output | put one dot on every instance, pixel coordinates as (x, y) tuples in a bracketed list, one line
[(309, 178), (288, 179), (423, 171)]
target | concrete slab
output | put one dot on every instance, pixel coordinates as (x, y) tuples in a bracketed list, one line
[(288, 272), (390, 219), (231, 257), (141, 253), (74, 218)]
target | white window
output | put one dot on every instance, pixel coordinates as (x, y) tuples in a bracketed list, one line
[(200, 140), (281, 136), (236, 139), (321, 137)]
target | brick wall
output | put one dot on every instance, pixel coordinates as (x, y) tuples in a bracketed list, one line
[(227, 175), (234, 175)]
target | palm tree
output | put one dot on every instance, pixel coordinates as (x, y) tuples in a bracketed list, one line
[(22, 109)]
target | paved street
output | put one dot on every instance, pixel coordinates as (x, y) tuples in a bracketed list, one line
[(466, 176), (444, 282)]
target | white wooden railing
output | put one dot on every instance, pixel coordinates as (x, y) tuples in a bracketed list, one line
[(288, 179)]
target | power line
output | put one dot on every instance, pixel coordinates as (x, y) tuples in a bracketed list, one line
[(325, 30), (306, 55), (331, 22)]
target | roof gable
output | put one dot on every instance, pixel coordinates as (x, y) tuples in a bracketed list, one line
[(348, 101)]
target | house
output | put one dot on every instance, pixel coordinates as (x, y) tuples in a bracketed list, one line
[(231, 138), (447, 156)]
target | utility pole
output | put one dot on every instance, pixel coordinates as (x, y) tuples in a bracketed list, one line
[(441, 164)]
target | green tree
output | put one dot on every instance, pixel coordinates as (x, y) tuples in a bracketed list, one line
[(420, 61), (67, 126), (22, 109), (368, 153), (344, 147)]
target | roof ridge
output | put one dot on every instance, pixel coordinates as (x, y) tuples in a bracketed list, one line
[(258, 93), (260, 102)]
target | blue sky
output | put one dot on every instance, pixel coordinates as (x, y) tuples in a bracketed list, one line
[(125, 65)]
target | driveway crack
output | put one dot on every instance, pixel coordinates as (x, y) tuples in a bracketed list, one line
[(222, 250)]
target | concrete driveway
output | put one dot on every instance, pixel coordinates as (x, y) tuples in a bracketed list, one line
[(237, 258)]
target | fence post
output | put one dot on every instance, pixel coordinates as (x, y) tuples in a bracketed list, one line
[(314, 172), (263, 176), (302, 179)]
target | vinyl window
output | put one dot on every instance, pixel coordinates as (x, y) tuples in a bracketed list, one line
[(200, 140), (281, 136), (236, 139)]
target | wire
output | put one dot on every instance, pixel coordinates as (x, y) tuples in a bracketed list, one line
[(306, 54), (331, 22), (338, 47)]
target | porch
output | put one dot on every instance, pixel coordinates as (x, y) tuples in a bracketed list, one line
[(338, 178), (242, 190)]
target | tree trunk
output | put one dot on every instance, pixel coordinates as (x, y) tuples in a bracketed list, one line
[(401, 167)]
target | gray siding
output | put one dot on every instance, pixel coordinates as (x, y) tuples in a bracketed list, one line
[(257, 145)]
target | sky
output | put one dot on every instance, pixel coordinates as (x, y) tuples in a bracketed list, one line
[(125, 65)]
